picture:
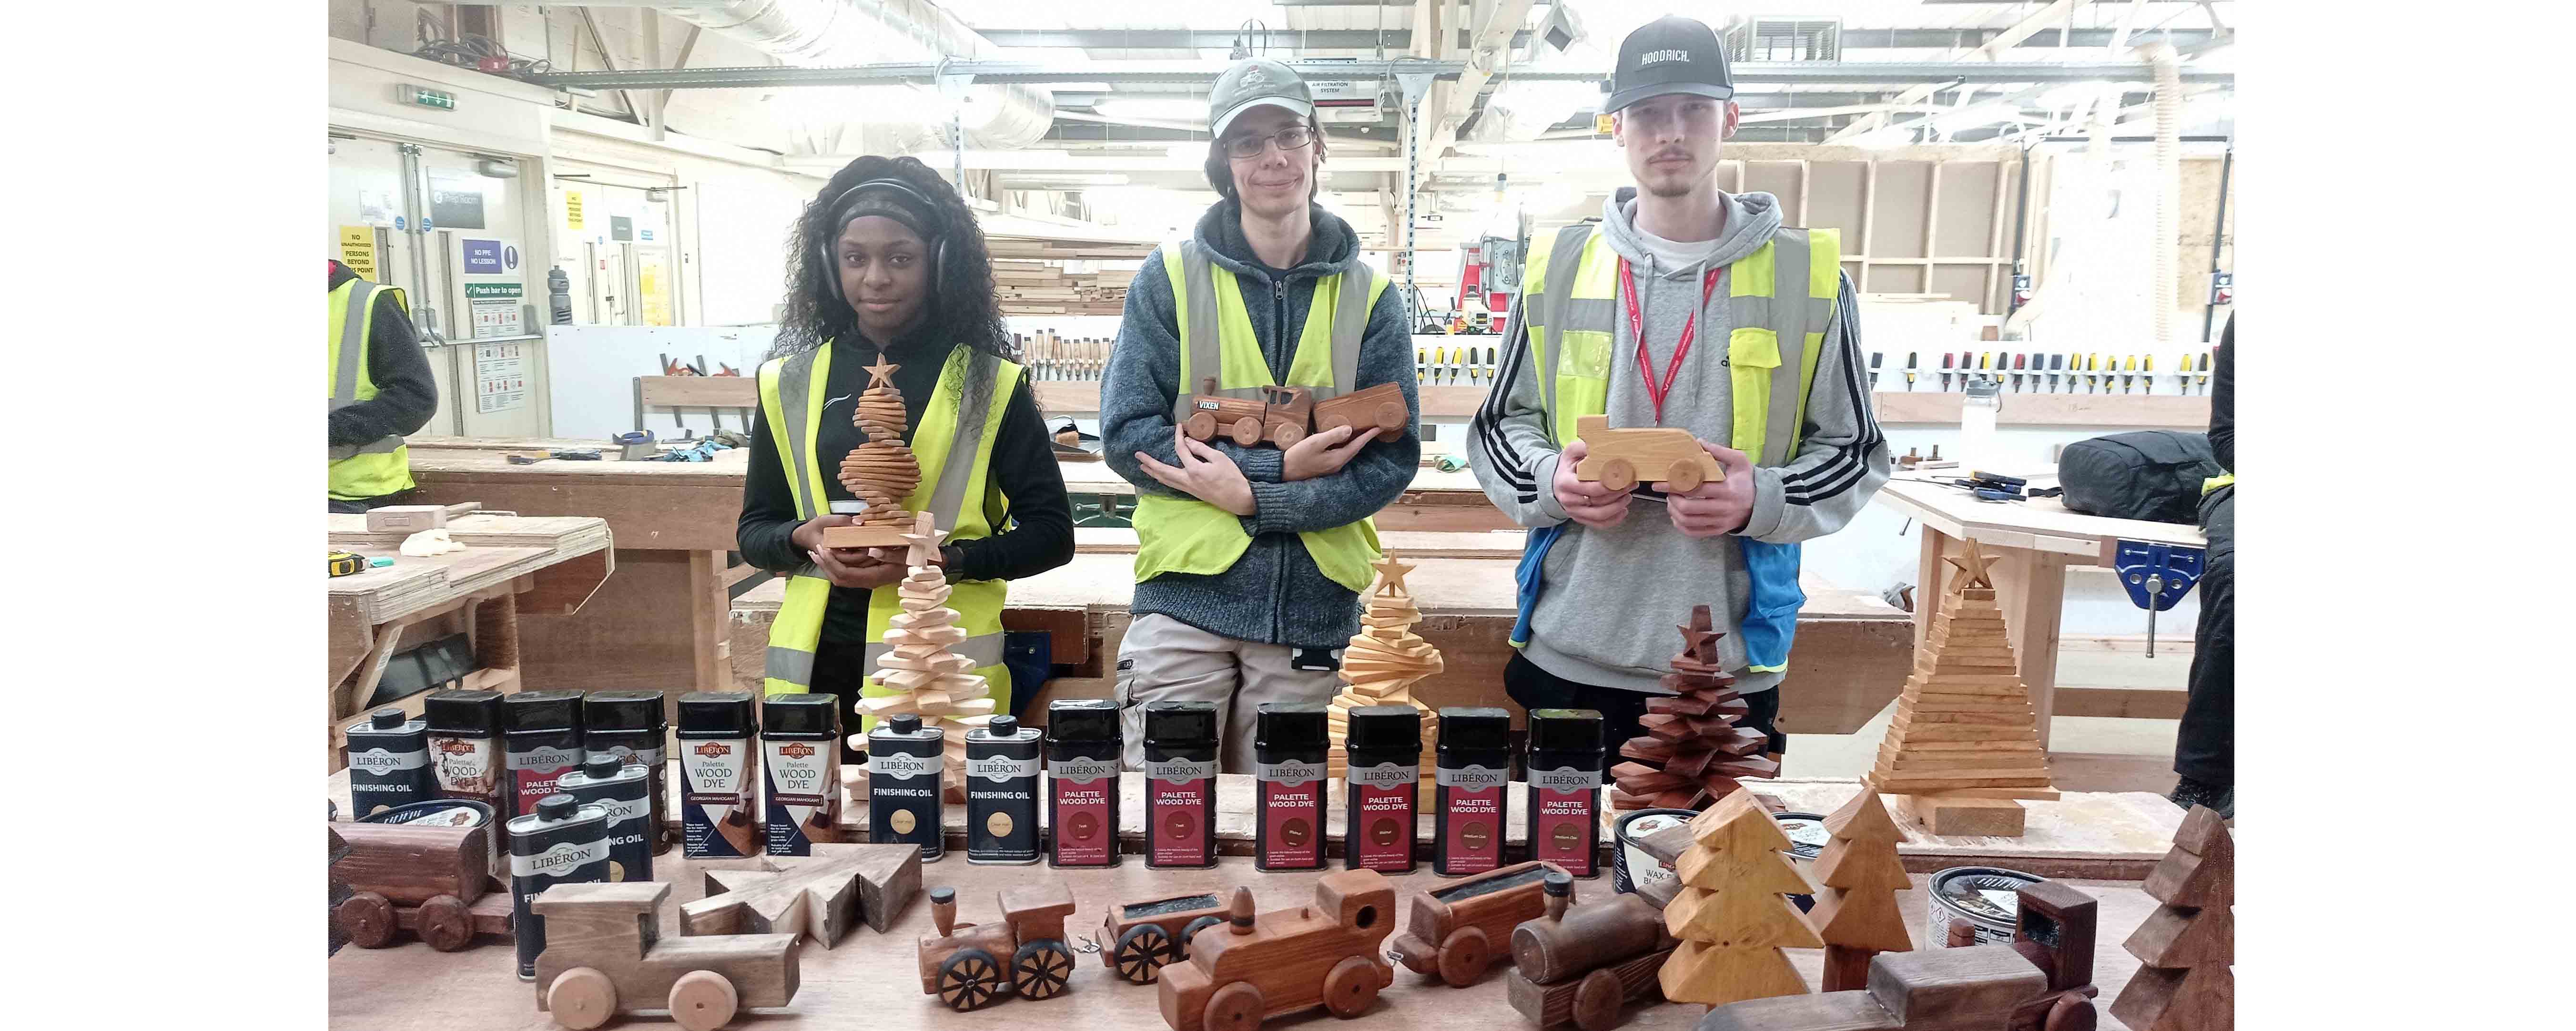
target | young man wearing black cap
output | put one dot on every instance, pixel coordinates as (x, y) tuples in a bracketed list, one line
[(1250, 558), (1685, 307)]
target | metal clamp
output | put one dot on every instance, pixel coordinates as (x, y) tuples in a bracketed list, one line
[(2157, 575)]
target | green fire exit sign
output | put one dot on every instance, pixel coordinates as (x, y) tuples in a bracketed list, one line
[(425, 97)]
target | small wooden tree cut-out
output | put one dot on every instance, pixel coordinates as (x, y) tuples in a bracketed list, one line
[(1692, 751), (1856, 913), (2186, 949), (882, 471), (930, 681), (1733, 914), (1963, 723), (1381, 666)]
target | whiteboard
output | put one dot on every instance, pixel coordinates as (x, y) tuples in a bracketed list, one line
[(592, 370)]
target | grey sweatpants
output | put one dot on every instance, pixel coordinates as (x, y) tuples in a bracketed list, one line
[(1165, 660)]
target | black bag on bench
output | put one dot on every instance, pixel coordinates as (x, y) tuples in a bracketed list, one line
[(2146, 474)]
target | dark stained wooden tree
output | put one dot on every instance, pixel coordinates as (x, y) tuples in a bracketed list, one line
[(2187, 947), (1692, 752)]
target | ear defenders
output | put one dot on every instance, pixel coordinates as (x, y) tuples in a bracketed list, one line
[(939, 249)]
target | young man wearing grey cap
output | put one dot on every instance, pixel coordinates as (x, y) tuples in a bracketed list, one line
[(1685, 307), (1250, 557)]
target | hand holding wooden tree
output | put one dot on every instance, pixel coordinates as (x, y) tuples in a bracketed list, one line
[(1732, 915), (882, 471)]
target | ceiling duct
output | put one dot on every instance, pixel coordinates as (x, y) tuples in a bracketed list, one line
[(833, 33)]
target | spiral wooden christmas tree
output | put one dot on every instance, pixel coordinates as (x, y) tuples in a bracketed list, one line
[(1692, 751), (931, 682), (881, 472), (1382, 664)]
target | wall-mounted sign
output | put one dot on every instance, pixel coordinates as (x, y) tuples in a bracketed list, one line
[(483, 257)]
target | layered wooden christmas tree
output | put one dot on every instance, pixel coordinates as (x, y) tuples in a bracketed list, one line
[(881, 471), (928, 679), (2187, 947), (1381, 666), (1965, 741), (1692, 751), (1733, 915), (1856, 912)]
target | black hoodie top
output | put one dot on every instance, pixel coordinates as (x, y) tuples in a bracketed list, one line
[(406, 396)]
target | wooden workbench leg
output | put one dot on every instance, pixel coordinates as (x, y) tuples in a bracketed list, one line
[(2031, 588), (1930, 575), (709, 612)]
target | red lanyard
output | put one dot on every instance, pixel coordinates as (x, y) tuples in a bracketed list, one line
[(1656, 391)]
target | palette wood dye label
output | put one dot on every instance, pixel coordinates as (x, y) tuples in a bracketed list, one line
[(535, 764), (1379, 823), (804, 779), (1002, 793), (1565, 818), (903, 790), (618, 790), (715, 805), (1180, 812), (388, 763), (560, 844), (1289, 804), (1082, 811), (1468, 819)]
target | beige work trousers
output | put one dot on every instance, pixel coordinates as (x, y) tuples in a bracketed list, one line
[(1165, 660)]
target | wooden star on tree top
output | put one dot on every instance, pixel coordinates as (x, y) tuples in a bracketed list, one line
[(924, 539), (1972, 568), (1390, 574), (1699, 636), (881, 374)]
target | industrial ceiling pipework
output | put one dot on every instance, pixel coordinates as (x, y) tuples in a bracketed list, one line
[(834, 33)]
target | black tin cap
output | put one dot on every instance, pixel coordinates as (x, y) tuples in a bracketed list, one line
[(1180, 722), (906, 723), (801, 713), (556, 807), (1386, 728), (1083, 719), (1476, 728), (1565, 730), (603, 767), (386, 718), (465, 713), (1002, 726), (716, 711), (541, 710), (622, 710), (1289, 725)]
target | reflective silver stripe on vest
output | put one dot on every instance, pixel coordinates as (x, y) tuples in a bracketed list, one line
[(344, 385), (378, 446), (795, 375), (788, 664), (1788, 319), (966, 446), (1561, 265), (983, 650), (1350, 324)]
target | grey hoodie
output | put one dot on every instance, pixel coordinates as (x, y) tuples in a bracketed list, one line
[(1608, 592)]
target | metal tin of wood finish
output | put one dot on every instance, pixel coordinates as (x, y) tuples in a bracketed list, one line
[(1631, 866), (388, 762), (904, 763), (800, 749), (1289, 747), (465, 745), (1083, 741), (561, 842), (1562, 793), (1002, 793), (620, 790), (717, 767), (629, 727), (1383, 785), (1180, 784), (1472, 770), (1989, 896), (540, 741)]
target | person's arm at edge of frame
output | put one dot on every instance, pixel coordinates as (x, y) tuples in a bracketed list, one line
[(1842, 458), (406, 393), (1379, 474)]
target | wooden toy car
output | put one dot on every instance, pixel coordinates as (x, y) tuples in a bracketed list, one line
[(1241, 420), (435, 882), (1381, 406), (604, 955), (1286, 415), (1286, 961), (2039, 982), (963, 963), (1619, 459), (1144, 937), (1471, 920), (1582, 965)]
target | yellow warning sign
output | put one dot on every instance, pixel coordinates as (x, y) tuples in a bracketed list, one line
[(572, 209), (358, 251), (1601, 123)]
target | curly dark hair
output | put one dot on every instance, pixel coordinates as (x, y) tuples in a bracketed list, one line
[(963, 306)]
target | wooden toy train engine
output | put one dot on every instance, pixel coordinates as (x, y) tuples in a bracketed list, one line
[(962, 964), (1286, 415), (1253, 968)]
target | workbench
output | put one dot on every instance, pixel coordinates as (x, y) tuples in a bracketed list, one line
[(511, 566), (2031, 544)]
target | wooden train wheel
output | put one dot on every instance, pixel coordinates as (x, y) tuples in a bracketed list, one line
[(1142, 950), (1287, 435), (1618, 474), (702, 1000), (1464, 955), (1235, 1007), (1683, 476), (1200, 426), (1246, 431), (368, 919), (444, 923), (582, 998), (1597, 1001), (2071, 1012), (1329, 423), (1039, 969), (1351, 987), (1181, 948), (968, 979)]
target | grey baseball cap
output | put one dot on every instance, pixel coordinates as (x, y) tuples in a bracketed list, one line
[(1671, 54), (1253, 82)]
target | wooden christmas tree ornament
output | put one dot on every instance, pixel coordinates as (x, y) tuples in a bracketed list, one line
[(929, 680), (1856, 913), (1692, 751), (1381, 666), (1732, 915), (1965, 741), (2187, 947), (881, 472), (821, 896)]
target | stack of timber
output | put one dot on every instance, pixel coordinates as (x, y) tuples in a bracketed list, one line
[(1033, 278), (1965, 741)]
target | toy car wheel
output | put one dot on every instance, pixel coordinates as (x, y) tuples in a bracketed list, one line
[(1390, 416), (1326, 423), (1683, 476), (1288, 436), (1200, 426), (1235, 1007), (1181, 948), (1142, 951), (1039, 969), (1464, 956), (968, 979), (445, 924), (1351, 987), (1246, 432), (1596, 1001), (1618, 474), (2071, 1013), (368, 919), (702, 1000), (581, 998)]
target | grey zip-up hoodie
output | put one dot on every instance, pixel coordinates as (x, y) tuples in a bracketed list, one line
[(1274, 594), (1608, 593)]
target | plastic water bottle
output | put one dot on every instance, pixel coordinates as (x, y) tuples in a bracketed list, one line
[(1977, 411)]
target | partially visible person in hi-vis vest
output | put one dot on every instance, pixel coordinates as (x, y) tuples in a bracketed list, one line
[(1686, 307), (381, 390), (1250, 560), (888, 262), (2205, 742)]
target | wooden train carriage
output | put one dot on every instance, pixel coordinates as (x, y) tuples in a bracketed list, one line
[(1458, 930), (1583, 964), (435, 882), (1287, 960), (1141, 938), (969, 965), (605, 955), (1381, 406)]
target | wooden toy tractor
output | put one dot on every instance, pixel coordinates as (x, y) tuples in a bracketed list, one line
[(2042, 981), (1619, 459), (604, 955), (1459, 929), (963, 964), (1253, 968)]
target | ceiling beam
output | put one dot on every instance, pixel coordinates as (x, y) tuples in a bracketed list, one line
[(1201, 73), (1396, 40), (2056, 12)]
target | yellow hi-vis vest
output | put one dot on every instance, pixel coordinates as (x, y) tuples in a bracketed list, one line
[(377, 467), (1780, 322), (1186, 535), (950, 444)]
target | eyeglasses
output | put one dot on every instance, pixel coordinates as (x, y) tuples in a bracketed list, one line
[(1294, 138)]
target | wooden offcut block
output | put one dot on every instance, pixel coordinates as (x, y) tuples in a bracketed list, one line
[(854, 536), (1958, 815)]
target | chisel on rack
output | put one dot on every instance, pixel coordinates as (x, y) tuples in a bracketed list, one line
[(2128, 374), (2182, 374), (2055, 362), (1986, 365), (1945, 370), (2204, 373), (2021, 362), (1874, 356), (2147, 366), (1909, 371)]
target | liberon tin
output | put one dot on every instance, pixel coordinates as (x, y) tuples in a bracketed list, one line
[(618, 789), (716, 771), (1082, 745), (465, 745), (1563, 795), (1288, 751), (800, 747), (388, 762), (1002, 793), (1180, 784), (904, 762), (1472, 771), (1385, 747), (540, 741), (628, 726), (559, 842), (1632, 866)]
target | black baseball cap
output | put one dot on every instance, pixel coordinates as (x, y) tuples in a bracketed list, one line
[(1671, 54)]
